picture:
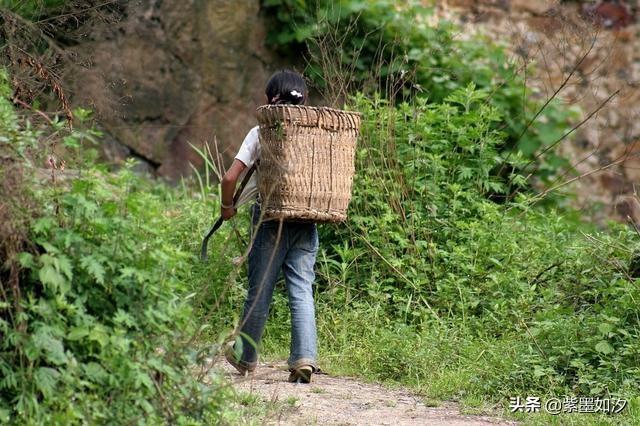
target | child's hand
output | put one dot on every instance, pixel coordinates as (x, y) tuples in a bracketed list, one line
[(228, 213)]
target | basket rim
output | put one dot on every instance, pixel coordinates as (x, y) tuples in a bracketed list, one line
[(316, 108)]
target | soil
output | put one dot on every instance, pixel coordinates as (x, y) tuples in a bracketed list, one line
[(330, 400)]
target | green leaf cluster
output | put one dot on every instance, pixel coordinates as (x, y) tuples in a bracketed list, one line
[(425, 253), (101, 328), (96, 324), (394, 47), (33, 9)]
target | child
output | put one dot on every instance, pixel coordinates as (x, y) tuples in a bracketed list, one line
[(287, 246)]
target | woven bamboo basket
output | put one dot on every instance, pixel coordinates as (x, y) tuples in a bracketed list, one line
[(306, 162)]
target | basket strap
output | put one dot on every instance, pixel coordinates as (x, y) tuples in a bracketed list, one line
[(313, 159), (331, 171)]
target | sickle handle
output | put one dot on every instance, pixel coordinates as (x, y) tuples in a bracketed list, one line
[(218, 224)]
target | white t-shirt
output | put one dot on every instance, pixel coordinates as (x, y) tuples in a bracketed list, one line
[(248, 154)]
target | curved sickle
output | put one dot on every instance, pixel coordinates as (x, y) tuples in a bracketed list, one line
[(218, 224)]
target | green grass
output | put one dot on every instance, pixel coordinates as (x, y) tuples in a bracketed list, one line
[(429, 285), (440, 363), (454, 296)]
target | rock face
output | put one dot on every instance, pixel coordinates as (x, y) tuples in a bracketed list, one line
[(594, 51), (172, 73)]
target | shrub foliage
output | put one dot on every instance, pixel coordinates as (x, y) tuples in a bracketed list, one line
[(425, 252), (103, 301), (395, 47), (95, 320)]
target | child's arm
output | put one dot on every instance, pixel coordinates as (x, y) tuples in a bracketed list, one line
[(228, 184)]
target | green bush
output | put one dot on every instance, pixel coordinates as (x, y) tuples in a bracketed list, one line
[(458, 295), (101, 328), (95, 317), (393, 47)]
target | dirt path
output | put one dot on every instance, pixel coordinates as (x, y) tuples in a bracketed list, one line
[(344, 401)]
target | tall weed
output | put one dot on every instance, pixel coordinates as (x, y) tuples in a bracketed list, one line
[(96, 318), (433, 284)]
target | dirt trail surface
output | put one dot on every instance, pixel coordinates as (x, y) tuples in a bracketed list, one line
[(332, 400)]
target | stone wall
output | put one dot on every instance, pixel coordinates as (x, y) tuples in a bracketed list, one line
[(174, 72), (602, 39)]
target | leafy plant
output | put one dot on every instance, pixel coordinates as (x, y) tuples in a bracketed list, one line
[(396, 49), (459, 296), (32, 9), (95, 314)]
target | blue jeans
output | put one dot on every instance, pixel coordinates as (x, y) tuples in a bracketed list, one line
[(289, 247)]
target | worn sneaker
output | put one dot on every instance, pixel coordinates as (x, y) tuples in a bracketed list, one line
[(243, 368), (301, 374)]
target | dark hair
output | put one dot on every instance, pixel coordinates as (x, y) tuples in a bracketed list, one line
[(286, 87)]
